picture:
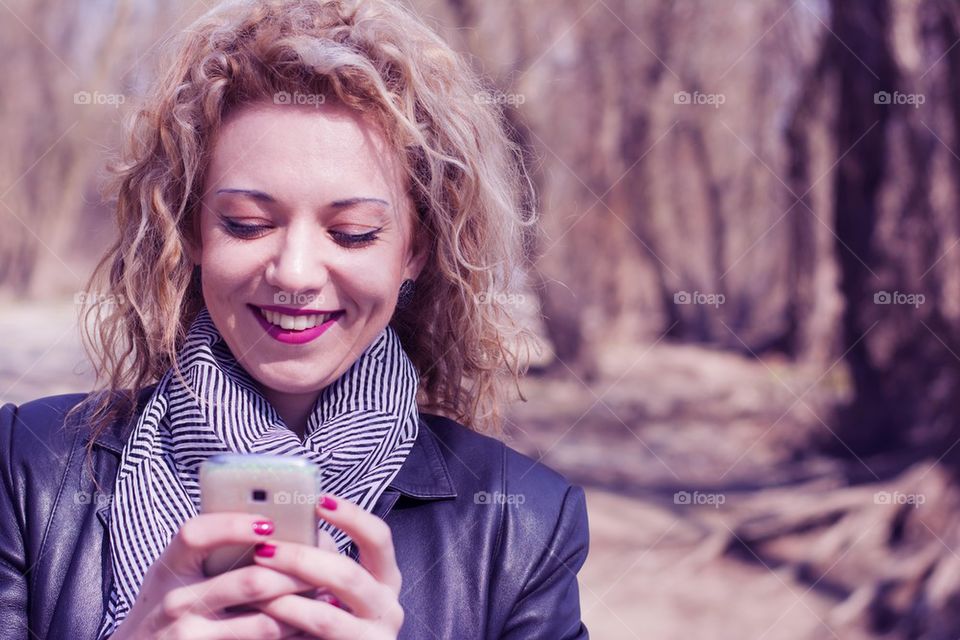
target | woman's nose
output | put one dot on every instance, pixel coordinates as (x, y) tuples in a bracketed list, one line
[(297, 267)]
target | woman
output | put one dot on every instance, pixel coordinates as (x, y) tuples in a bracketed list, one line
[(316, 216)]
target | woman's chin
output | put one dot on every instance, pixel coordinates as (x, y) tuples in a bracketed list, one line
[(292, 382)]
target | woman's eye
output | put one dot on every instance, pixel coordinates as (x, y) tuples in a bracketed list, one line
[(250, 231), (243, 230), (355, 239)]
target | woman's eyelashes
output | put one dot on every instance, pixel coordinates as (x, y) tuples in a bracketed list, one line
[(251, 231), (356, 239), (243, 231)]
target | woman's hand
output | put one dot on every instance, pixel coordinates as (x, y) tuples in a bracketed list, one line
[(368, 592), (177, 600)]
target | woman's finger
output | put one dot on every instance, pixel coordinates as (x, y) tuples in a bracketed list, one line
[(349, 582), (232, 588), (327, 621), (326, 541), (205, 532), (371, 535), (246, 626)]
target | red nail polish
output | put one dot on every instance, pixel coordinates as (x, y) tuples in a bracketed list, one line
[(265, 550), (328, 503), (263, 527)]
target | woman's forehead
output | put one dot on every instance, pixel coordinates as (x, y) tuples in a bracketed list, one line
[(305, 152)]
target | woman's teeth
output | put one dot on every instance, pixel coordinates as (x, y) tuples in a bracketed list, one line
[(295, 323)]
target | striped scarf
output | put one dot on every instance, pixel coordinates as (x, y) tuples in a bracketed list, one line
[(360, 432)]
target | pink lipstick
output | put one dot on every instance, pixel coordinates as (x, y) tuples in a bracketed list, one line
[(292, 336)]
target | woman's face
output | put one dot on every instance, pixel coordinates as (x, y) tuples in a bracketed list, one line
[(304, 210)]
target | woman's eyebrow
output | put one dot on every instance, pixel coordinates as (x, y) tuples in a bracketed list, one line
[(349, 202), (250, 193), (336, 204)]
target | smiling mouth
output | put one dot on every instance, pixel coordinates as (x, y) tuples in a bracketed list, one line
[(300, 322)]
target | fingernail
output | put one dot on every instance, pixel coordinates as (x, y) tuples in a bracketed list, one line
[(263, 527), (265, 549), (328, 503)]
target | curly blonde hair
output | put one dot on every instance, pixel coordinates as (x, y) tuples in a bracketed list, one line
[(472, 195)]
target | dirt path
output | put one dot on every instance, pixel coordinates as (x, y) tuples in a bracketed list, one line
[(683, 423)]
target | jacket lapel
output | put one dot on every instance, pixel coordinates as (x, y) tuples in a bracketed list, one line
[(423, 476)]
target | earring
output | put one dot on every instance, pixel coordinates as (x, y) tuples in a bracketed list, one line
[(407, 287)]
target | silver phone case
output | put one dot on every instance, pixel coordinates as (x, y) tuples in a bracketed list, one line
[(285, 489)]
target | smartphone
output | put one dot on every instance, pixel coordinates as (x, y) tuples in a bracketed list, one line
[(283, 488)]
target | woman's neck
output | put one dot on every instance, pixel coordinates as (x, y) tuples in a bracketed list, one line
[(293, 408)]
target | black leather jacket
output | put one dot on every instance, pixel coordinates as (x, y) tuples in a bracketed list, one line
[(489, 542)]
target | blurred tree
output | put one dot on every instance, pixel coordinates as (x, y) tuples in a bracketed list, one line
[(896, 225), (70, 70)]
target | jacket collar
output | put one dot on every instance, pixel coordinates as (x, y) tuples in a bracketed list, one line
[(424, 474)]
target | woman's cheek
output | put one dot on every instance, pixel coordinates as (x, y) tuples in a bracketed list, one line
[(378, 269), (235, 264)]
